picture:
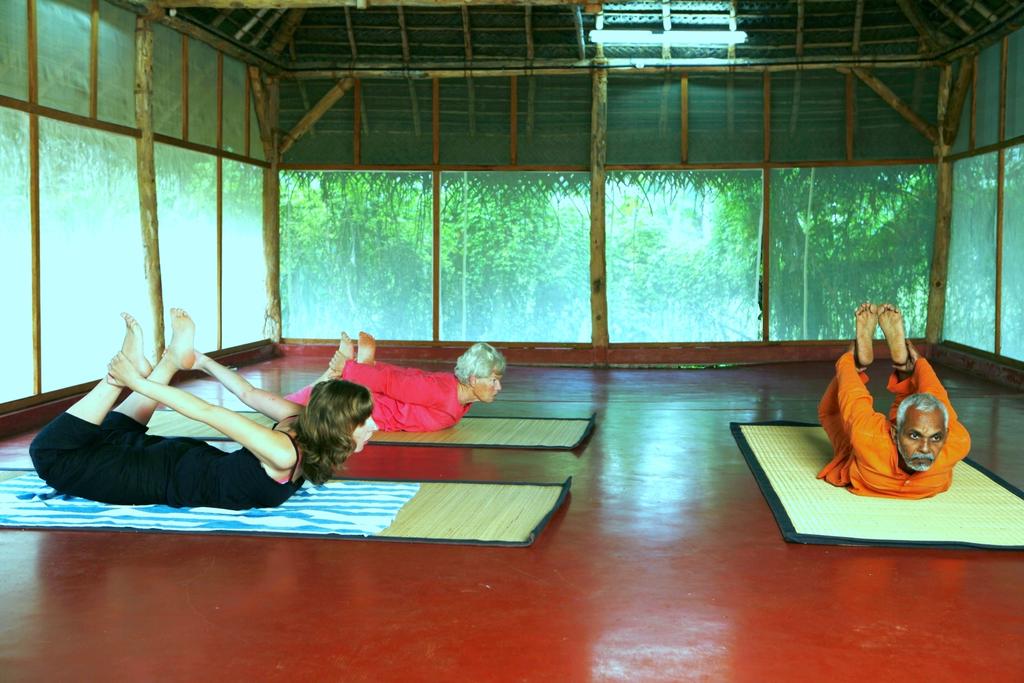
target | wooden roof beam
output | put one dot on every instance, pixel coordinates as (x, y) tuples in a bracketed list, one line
[(359, 4), (732, 27), (470, 88), (219, 19), (954, 17), (933, 39), (980, 8), (529, 32), (287, 31), (252, 22), (315, 114), (266, 27), (954, 110), (351, 35), (467, 39), (858, 22), (405, 35), (577, 19), (799, 29), (893, 100)]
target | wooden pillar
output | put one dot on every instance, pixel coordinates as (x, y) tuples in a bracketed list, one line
[(940, 249), (272, 217), (598, 276), (147, 175)]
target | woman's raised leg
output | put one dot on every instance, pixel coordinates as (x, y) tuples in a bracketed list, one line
[(180, 355)]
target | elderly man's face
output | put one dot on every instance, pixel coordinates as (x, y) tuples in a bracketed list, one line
[(921, 440)]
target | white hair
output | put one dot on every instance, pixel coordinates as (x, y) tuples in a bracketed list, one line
[(480, 360), (925, 403)]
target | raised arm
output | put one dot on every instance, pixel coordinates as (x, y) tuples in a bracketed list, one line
[(270, 404), (273, 448)]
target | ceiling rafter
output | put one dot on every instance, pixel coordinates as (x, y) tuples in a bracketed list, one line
[(932, 38), (528, 20), (858, 22), (577, 19), (954, 17), (351, 35), (287, 31)]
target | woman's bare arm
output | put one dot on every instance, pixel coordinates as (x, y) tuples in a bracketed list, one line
[(270, 404)]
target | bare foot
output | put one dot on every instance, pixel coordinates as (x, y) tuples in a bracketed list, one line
[(891, 321), (132, 346), (346, 352), (867, 320), (367, 349), (346, 347), (181, 350)]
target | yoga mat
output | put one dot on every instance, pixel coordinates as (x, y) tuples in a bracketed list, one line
[(440, 512), (542, 433), (979, 510), (546, 433)]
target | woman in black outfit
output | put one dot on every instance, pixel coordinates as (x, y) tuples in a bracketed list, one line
[(105, 455)]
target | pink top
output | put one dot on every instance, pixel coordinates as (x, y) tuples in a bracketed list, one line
[(404, 399)]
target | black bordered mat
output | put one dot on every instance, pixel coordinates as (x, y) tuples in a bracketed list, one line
[(980, 510)]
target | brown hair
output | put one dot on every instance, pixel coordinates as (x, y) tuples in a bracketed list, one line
[(324, 429)]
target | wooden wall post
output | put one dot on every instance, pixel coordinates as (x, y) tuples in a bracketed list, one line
[(272, 216), (147, 175), (598, 276)]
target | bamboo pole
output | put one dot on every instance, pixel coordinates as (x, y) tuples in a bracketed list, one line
[(357, 120), (184, 87), (850, 115), (940, 249), (598, 275), (147, 175), (513, 138)]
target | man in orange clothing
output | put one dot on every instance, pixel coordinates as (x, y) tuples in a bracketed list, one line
[(910, 453)]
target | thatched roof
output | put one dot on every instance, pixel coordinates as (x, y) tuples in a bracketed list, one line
[(318, 35)]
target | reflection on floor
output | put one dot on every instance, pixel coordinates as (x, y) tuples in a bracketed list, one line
[(664, 565)]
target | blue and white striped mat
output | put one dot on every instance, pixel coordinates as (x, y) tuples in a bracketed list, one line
[(338, 508)]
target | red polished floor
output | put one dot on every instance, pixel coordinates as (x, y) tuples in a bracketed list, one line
[(664, 565)]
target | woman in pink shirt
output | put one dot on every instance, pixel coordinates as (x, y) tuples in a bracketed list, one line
[(413, 400)]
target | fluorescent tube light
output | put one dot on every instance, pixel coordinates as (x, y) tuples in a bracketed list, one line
[(629, 37)]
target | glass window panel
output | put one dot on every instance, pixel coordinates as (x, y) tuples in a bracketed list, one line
[(515, 251), (554, 120), (682, 255), (330, 141), (63, 45), (186, 188), (116, 94), (14, 50), (234, 105), (841, 236), (644, 125), (396, 125), (726, 121), (90, 250), (166, 81), (244, 281), (202, 93), (879, 131), (808, 110), (1011, 321), (356, 253), (1015, 85), (475, 120), (16, 355), (971, 282), (987, 116)]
